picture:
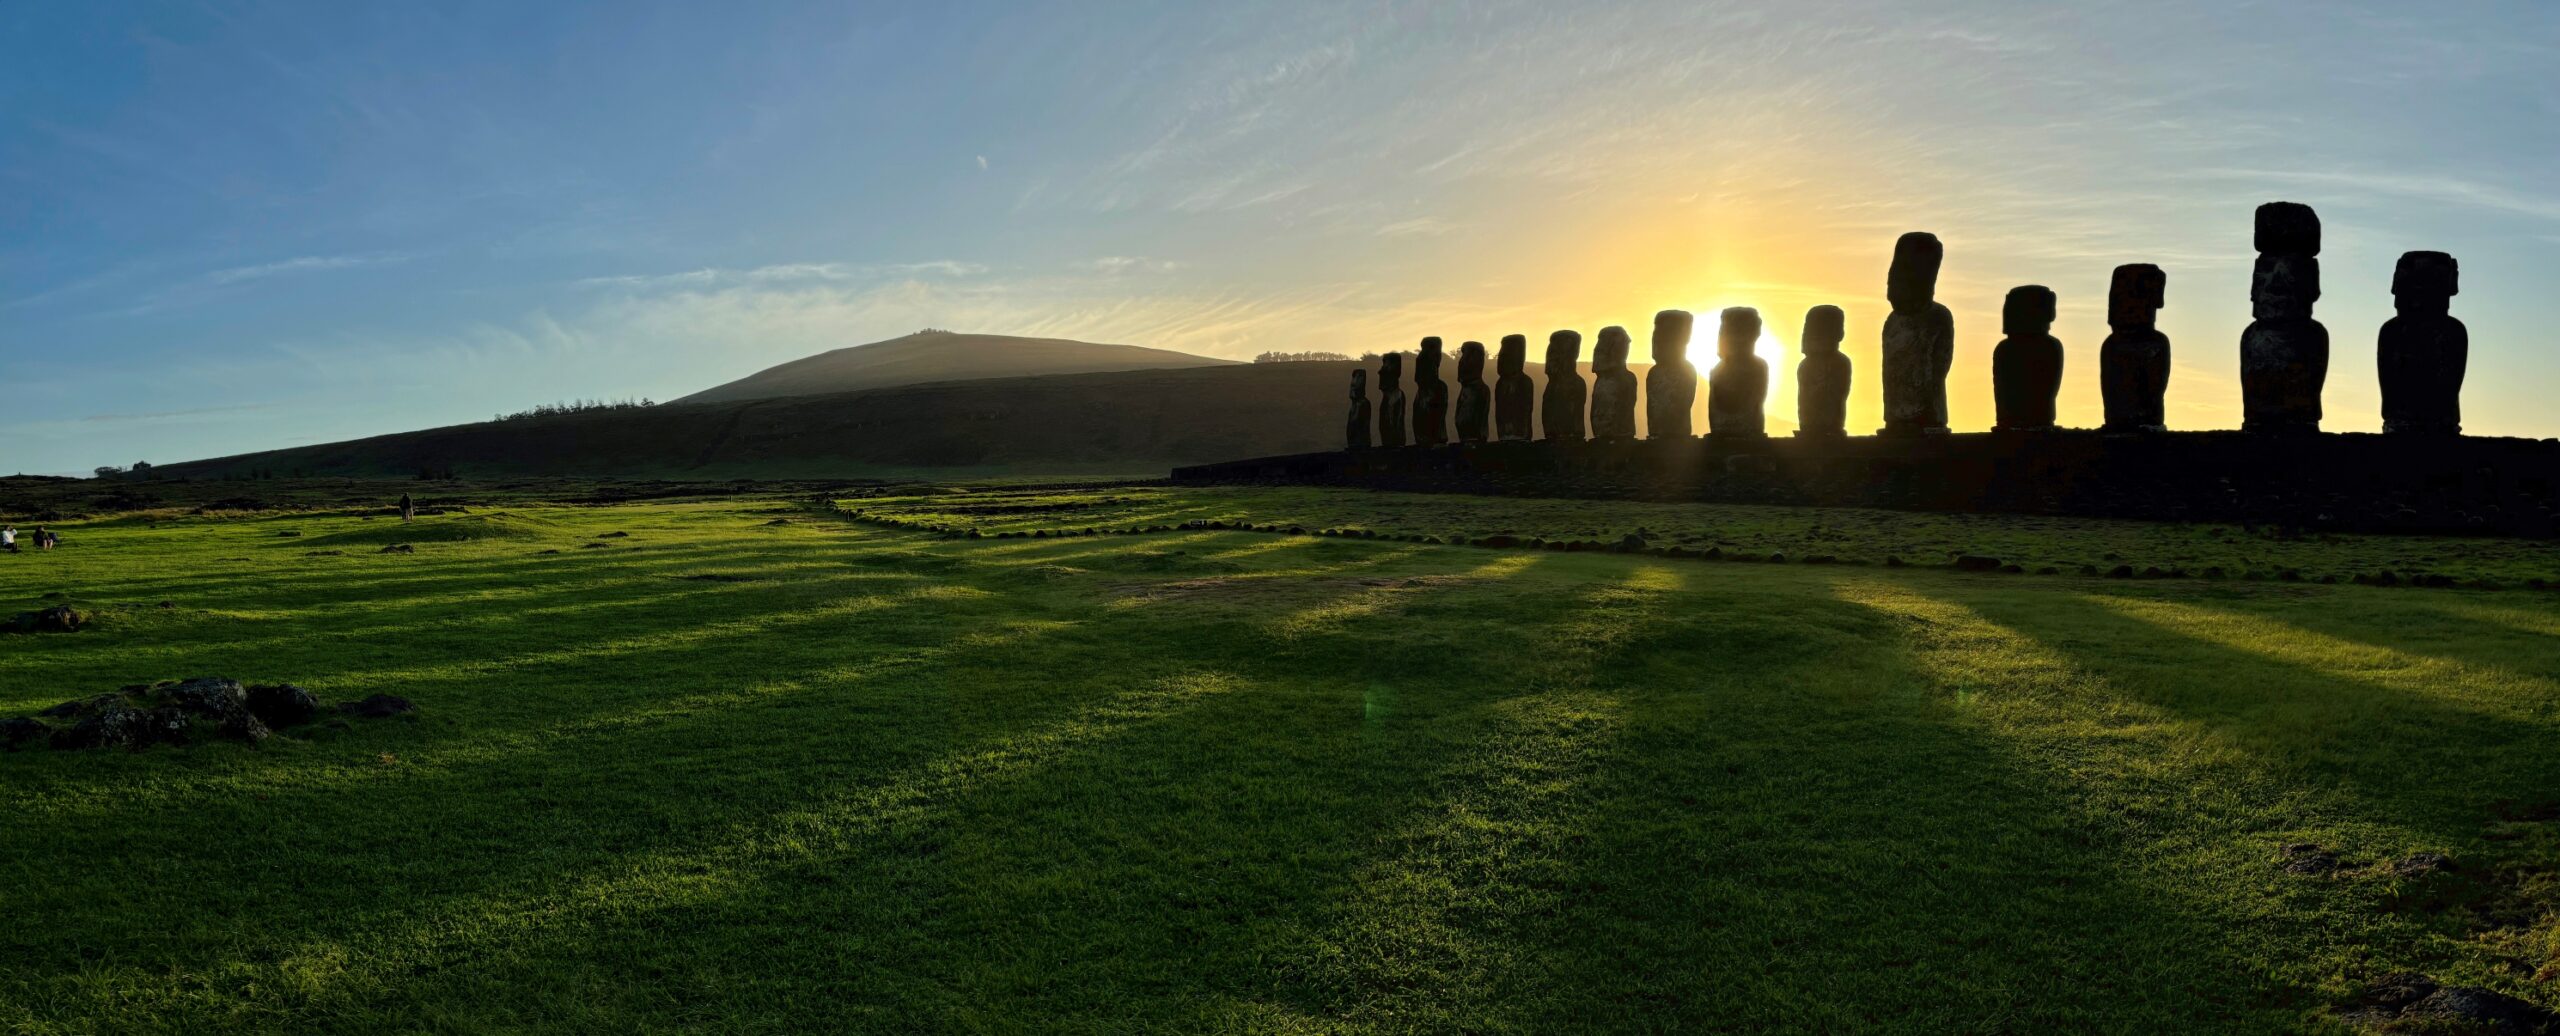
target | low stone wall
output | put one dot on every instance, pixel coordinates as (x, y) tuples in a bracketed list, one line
[(2344, 482)]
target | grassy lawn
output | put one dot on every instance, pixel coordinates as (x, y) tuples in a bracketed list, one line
[(830, 774)]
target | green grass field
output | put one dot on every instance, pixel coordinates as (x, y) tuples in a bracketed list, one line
[(835, 774)]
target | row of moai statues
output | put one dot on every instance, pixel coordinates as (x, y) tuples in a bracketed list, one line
[(2284, 360)]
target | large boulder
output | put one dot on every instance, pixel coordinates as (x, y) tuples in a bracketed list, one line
[(60, 618), (283, 705), (219, 701), (378, 706)]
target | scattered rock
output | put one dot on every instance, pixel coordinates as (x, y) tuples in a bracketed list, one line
[(1893, 561), (379, 706), (542, 553), (18, 730), (1629, 544), (2307, 859), (399, 548), (2415, 1002), (593, 546), (60, 618), (322, 553), (2419, 865), (779, 521), (1977, 563), (615, 535), (283, 705), (167, 605), (1498, 541)]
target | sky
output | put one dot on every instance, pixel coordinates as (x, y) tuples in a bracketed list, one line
[(238, 226)]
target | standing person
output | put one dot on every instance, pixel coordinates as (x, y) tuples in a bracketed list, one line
[(9, 538), (408, 510)]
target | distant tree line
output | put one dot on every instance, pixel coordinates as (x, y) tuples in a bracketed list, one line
[(576, 406), (1308, 357)]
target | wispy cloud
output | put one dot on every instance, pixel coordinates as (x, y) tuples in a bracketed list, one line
[(1422, 226), (786, 273), (1116, 265), (301, 264), (2443, 190)]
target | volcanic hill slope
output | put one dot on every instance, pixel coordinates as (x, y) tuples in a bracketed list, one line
[(931, 356), (1123, 422)]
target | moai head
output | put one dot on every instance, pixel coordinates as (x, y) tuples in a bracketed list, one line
[(1359, 384), (1390, 372), (1610, 353), (2426, 282), (2285, 284), (1564, 352), (2135, 296), (1471, 362), (1671, 337), (2285, 226), (1824, 326), (1740, 333), (2028, 313), (1427, 366), (1913, 283), (1514, 357)]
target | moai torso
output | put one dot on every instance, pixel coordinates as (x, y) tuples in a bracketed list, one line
[(1355, 428), (1391, 412), (1430, 397), (1822, 378), (1475, 398), (2026, 367), (1613, 387), (1738, 387), (2133, 365), (2424, 350), (1515, 396), (1671, 387), (1560, 414), (2284, 354), (1919, 340)]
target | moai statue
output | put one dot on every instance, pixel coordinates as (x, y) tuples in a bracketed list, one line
[(2133, 365), (1514, 395), (1391, 431), (2424, 349), (2026, 368), (1560, 413), (1355, 430), (2284, 354), (1738, 388), (1613, 388), (1430, 397), (1475, 398), (1919, 340), (1822, 380), (1671, 387)]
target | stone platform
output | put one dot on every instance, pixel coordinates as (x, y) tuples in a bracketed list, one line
[(2339, 482)]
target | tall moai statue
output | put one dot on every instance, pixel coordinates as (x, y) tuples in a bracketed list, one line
[(1738, 387), (2026, 367), (1822, 379), (1355, 429), (2133, 365), (1475, 398), (1613, 388), (1560, 413), (1515, 396), (1919, 340), (2424, 349), (1671, 387), (1430, 397), (1391, 431), (2284, 354)]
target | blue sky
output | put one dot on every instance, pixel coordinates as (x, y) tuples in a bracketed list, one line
[(227, 227)]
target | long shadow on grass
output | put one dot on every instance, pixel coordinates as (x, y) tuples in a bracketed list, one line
[(2426, 757)]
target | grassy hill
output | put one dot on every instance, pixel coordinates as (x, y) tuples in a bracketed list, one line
[(1122, 422), (930, 356)]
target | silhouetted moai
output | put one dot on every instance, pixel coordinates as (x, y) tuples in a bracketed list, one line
[(1560, 414), (1822, 379), (2026, 367), (1475, 398), (1738, 387), (1430, 397), (1671, 387), (2284, 355), (1515, 396), (2133, 365), (1355, 430), (1613, 387), (1919, 340), (1391, 430), (2424, 349)]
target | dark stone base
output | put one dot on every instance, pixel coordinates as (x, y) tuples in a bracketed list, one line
[(2347, 482)]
